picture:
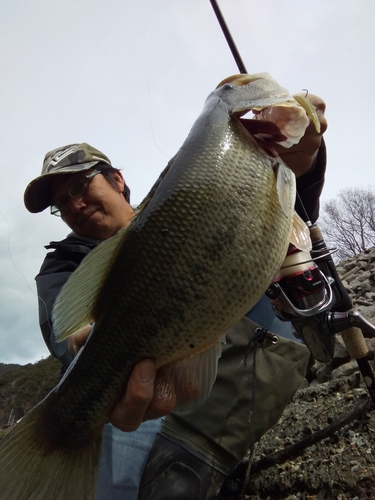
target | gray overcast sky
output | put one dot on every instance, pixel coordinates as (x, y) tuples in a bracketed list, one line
[(130, 78)]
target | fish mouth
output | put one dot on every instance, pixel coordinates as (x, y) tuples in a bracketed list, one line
[(264, 128), (279, 117), (266, 133)]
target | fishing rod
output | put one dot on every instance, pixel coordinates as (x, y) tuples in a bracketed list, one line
[(309, 292), (228, 37)]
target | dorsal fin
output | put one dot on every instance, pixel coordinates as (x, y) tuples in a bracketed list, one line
[(74, 305)]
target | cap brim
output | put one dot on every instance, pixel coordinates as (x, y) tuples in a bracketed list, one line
[(38, 193)]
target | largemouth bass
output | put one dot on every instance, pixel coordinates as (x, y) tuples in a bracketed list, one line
[(200, 251)]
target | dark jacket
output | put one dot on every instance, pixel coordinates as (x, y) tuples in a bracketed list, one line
[(68, 253), (55, 271)]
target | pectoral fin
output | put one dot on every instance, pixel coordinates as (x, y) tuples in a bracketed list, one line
[(286, 188), (300, 236)]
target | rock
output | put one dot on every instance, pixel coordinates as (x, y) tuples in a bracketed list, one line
[(355, 285), (342, 466), (346, 266), (366, 275), (368, 312)]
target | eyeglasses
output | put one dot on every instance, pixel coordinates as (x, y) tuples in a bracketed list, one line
[(77, 190)]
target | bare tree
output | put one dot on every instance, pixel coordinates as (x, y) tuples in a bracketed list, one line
[(348, 221)]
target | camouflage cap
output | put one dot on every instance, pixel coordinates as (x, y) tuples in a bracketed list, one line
[(65, 160)]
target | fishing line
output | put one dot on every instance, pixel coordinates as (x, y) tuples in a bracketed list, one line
[(150, 119), (20, 272), (11, 256)]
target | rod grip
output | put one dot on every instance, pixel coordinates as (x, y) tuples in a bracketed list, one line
[(354, 342)]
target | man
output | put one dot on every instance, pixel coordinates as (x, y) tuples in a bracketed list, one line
[(91, 197), (191, 456)]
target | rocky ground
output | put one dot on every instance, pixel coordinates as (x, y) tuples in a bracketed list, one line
[(323, 446)]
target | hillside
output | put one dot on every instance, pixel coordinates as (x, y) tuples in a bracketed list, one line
[(4, 368), (22, 387)]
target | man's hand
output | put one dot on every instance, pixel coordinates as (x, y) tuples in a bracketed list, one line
[(301, 156), (140, 402)]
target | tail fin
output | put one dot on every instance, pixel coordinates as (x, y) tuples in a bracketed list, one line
[(30, 469)]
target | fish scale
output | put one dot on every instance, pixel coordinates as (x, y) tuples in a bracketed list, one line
[(201, 250)]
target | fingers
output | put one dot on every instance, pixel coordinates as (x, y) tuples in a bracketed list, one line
[(79, 339), (320, 107), (301, 156), (314, 99), (164, 399), (140, 402), (128, 414)]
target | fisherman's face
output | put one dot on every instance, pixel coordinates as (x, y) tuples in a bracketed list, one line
[(101, 211)]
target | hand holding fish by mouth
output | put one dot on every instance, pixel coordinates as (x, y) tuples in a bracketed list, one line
[(301, 156)]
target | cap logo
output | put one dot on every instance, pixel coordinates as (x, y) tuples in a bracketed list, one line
[(60, 155)]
